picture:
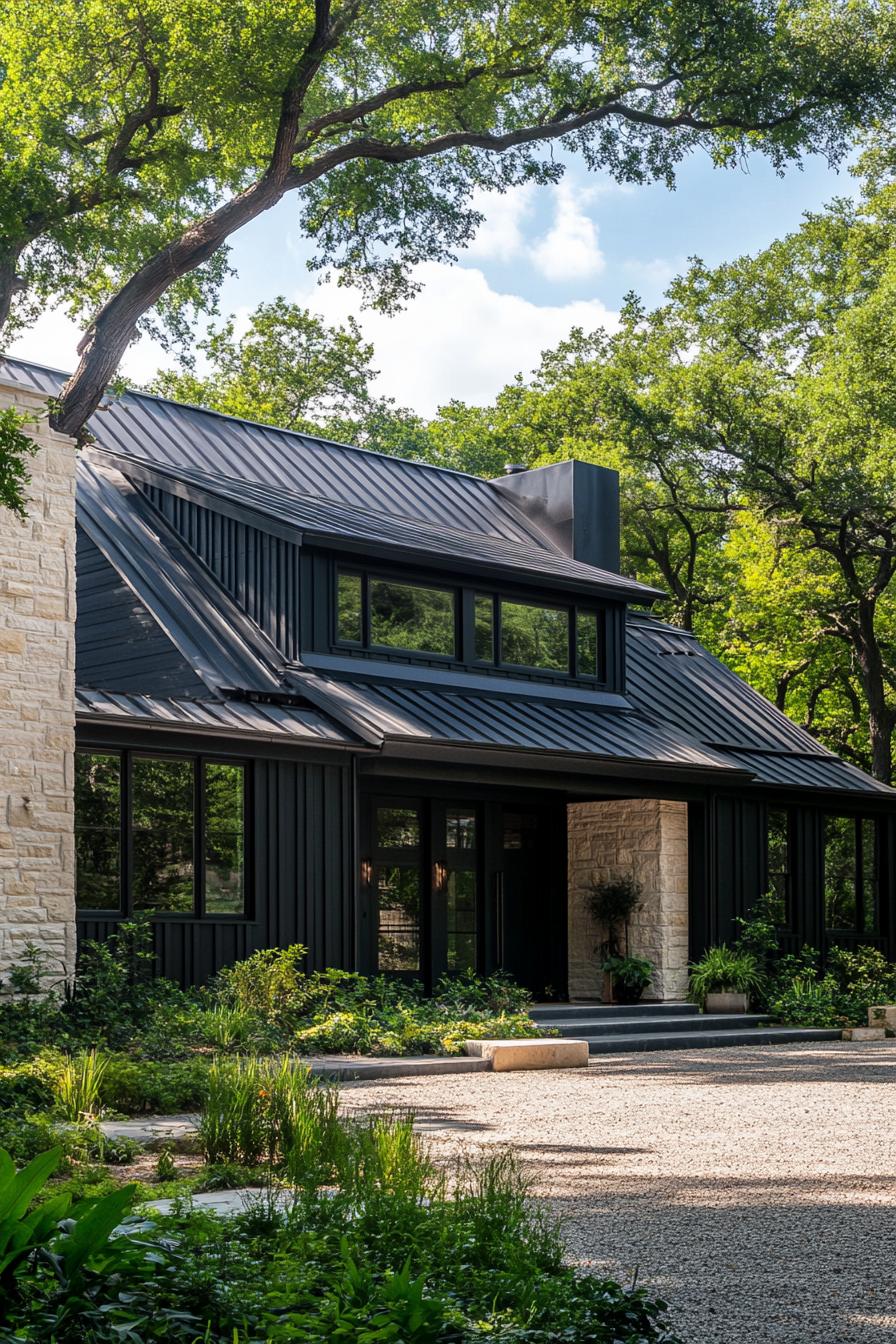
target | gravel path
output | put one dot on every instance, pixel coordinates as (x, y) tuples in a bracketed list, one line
[(753, 1188)]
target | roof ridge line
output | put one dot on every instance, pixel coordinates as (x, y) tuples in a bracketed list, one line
[(258, 424)]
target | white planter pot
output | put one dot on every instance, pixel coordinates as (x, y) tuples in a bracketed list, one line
[(726, 1002)]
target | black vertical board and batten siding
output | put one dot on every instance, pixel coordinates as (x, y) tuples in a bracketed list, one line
[(300, 888), (259, 570), (728, 870)]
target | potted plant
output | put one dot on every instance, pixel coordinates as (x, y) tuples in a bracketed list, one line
[(723, 980), (611, 903), (630, 977)]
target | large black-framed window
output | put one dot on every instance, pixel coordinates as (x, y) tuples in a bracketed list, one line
[(852, 874), (388, 614), (161, 833)]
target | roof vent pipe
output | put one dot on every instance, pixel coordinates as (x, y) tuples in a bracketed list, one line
[(514, 468)]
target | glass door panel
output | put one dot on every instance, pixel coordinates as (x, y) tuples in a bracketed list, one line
[(398, 890), (456, 903)]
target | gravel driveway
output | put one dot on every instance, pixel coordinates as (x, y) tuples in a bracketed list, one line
[(753, 1188)]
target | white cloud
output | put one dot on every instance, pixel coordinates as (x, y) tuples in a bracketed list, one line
[(458, 337), (569, 250), (53, 340), (500, 236)]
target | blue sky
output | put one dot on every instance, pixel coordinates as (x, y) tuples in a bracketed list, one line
[(546, 259)]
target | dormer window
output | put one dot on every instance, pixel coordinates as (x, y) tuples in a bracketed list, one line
[(412, 617), (392, 616)]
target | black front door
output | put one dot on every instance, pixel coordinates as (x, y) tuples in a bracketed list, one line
[(449, 886), (530, 903)]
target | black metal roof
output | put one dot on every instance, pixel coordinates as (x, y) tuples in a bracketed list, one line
[(219, 642), (171, 434), (228, 718), (671, 675), (684, 710), (446, 715), (343, 526)]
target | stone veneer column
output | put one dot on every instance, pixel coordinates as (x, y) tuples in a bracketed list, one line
[(37, 702), (647, 838)]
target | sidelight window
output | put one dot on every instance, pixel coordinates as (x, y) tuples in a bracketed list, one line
[(98, 830), (779, 866)]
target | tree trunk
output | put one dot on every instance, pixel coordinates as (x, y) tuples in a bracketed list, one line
[(881, 715), (115, 325), (10, 284)]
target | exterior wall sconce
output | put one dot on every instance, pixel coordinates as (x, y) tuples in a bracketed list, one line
[(366, 872), (439, 876)]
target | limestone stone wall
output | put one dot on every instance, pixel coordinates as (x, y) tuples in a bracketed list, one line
[(648, 838), (37, 702)]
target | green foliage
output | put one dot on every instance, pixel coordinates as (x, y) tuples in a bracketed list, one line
[(115, 991), (403, 1252), (633, 973), (270, 984), (134, 1085), (611, 903), (806, 1001), (722, 970), (15, 450), (73, 1241), (269, 1110), (79, 1085), (343, 1012), (290, 369)]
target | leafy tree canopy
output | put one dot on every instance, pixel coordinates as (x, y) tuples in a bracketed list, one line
[(291, 369), (753, 419), (140, 138)]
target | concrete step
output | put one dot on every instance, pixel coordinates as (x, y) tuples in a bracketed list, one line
[(707, 1040), (588, 1028), (557, 1013)]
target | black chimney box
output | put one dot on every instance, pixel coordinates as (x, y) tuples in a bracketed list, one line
[(576, 504)]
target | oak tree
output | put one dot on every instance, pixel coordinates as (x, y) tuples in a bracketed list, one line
[(382, 120)]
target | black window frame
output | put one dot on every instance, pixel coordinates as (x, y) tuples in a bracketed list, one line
[(384, 576), (465, 598), (125, 909), (858, 928)]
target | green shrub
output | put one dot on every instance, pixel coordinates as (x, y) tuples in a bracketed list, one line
[(30, 1085), (78, 1085), (115, 991), (260, 1110), (804, 1001), (634, 973), (136, 1086), (723, 970), (268, 985)]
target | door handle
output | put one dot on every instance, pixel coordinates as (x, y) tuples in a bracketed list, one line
[(499, 916)]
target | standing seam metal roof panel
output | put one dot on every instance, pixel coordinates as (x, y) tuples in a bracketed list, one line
[(235, 717), (186, 436), (668, 673), (456, 717), (330, 523)]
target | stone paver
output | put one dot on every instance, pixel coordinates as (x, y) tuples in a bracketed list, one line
[(223, 1202), (154, 1132), (753, 1188)]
